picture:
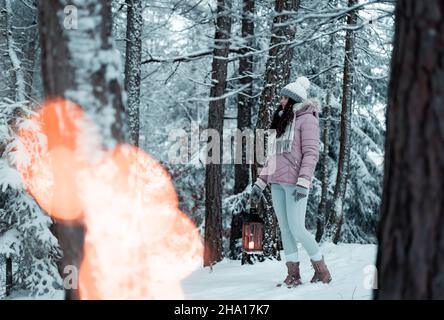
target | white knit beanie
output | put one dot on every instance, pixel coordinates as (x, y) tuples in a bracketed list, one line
[(297, 90)]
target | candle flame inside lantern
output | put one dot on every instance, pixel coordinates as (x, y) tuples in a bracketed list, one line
[(251, 245), (138, 244)]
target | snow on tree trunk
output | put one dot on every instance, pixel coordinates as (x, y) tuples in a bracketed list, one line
[(277, 75), (213, 171), (29, 39), (132, 65), (82, 66), (15, 61), (18, 39), (410, 261), (6, 77), (336, 219), (245, 104)]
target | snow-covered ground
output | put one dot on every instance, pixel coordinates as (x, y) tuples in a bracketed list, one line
[(351, 266)]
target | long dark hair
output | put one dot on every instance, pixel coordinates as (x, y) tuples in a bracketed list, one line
[(280, 122)]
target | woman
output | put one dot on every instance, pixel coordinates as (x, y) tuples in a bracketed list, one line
[(289, 171)]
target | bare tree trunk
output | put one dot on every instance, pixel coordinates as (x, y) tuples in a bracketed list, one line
[(133, 59), (326, 115), (26, 38), (9, 278), (6, 72), (411, 230), (81, 65), (213, 173), (277, 74), (245, 101), (19, 77), (245, 104), (31, 56), (323, 210), (336, 217)]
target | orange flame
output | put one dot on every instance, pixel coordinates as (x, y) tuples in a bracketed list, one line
[(138, 243)]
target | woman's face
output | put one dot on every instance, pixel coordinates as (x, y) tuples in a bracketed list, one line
[(284, 101)]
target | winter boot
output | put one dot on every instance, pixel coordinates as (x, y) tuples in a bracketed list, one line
[(293, 278), (321, 271)]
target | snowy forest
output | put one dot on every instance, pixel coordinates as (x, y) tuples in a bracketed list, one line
[(108, 109)]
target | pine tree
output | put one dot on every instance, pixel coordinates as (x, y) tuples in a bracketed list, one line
[(25, 236)]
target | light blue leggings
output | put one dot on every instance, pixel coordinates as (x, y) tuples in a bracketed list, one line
[(291, 218)]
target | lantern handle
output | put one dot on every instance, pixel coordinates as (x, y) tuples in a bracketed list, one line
[(253, 210), (253, 205)]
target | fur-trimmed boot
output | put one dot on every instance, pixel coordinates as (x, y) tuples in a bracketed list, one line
[(321, 271), (293, 278)]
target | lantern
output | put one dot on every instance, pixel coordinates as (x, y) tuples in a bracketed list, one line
[(252, 236)]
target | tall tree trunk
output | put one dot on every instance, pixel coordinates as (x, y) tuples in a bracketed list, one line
[(213, 172), (410, 259), (31, 57), (326, 115), (245, 100), (277, 74), (323, 210), (18, 73), (336, 216), (245, 104), (26, 39), (81, 65), (6, 73), (133, 58)]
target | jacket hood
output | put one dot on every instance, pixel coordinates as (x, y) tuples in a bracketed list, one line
[(312, 105)]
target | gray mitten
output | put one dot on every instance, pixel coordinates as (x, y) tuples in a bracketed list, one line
[(300, 192), (256, 192)]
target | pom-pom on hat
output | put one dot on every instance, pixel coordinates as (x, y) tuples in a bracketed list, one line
[(298, 90)]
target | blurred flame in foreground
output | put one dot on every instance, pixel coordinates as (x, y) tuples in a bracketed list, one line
[(138, 244)]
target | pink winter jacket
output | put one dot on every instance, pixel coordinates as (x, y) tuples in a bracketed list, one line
[(297, 166)]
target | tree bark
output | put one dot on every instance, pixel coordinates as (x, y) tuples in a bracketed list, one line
[(133, 60), (6, 72), (245, 100), (31, 57), (277, 74), (81, 65), (244, 107), (336, 216), (9, 278), (410, 260), (213, 171), (26, 39), (18, 44), (17, 68), (323, 210), (326, 115)]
